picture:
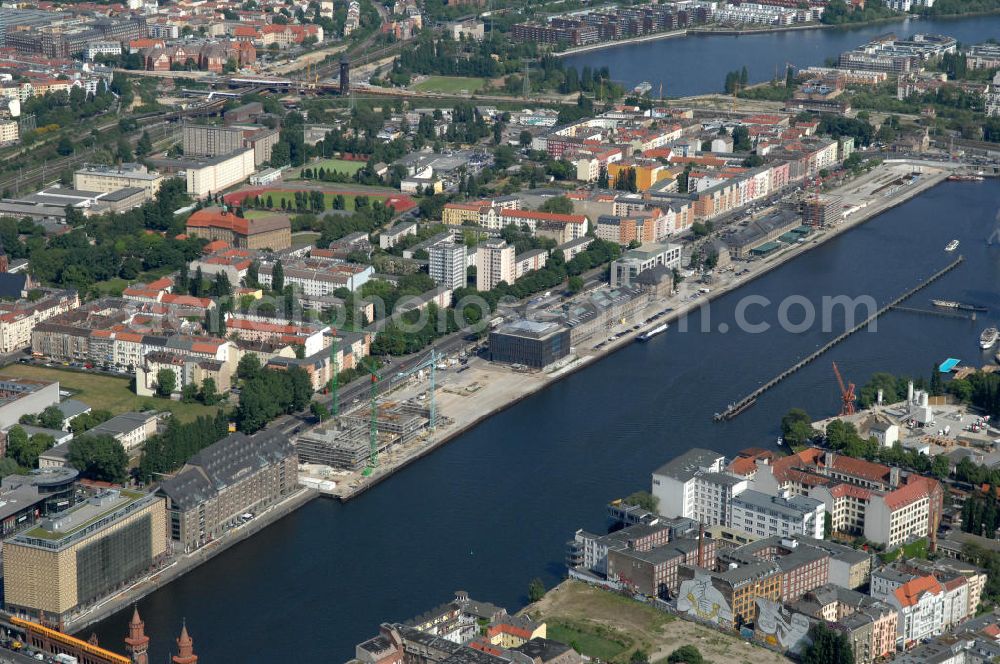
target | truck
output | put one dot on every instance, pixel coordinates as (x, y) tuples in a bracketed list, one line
[(63, 658)]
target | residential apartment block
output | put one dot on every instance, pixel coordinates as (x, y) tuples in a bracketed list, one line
[(494, 263), (19, 318)]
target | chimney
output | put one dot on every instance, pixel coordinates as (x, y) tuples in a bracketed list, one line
[(828, 460), (879, 400), (909, 392), (701, 545), (894, 477)]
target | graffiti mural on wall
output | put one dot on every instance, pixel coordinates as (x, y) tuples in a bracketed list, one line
[(702, 600), (780, 628)]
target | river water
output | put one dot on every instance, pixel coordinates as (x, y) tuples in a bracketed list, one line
[(698, 64), (493, 509)]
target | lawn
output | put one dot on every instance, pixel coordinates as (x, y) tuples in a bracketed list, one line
[(303, 238), (289, 198), (450, 84), (102, 392), (586, 640), (338, 165)]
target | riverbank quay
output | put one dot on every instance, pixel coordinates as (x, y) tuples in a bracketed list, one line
[(481, 388), (180, 564)]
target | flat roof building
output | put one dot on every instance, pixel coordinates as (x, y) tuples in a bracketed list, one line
[(74, 558), (530, 343)]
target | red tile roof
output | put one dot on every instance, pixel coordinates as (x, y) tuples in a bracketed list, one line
[(910, 592), (545, 216), (916, 489)]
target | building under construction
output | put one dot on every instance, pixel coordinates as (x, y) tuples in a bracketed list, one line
[(337, 446), (821, 209), (346, 444)]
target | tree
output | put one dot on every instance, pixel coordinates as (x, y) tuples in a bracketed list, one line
[(827, 647), (524, 138), (575, 284), (536, 590), (319, 411), (685, 654), (209, 394), (278, 277), (51, 418), (789, 77), (64, 146), (249, 367), (796, 427), (166, 382), (827, 525), (100, 458), (557, 204), (189, 393), (144, 146), (645, 500), (640, 656)]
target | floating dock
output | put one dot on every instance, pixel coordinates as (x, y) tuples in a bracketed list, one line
[(738, 407), (948, 365)]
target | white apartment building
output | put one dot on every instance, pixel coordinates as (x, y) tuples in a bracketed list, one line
[(785, 515), (695, 486), (213, 175), (920, 603), (494, 263), (448, 264), (130, 429), (895, 517), (9, 131), (96, 48)]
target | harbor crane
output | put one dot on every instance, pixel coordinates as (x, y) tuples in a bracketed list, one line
[(846, 393)]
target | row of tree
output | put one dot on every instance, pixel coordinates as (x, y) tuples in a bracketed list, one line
[(267, 393)]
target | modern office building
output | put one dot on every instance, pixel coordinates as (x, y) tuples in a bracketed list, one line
[(530, 343), (74, 558)]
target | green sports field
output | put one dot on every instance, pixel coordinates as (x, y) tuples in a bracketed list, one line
[(450, 84)]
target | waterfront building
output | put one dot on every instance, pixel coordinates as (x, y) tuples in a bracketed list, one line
[(238, 475), (654, 571), (630, 264), (784, 514), (494, 263), (529, 343), (27, 499), (213, 223), (695, 485), (74, 558)]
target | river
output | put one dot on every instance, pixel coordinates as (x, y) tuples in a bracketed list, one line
[(493, 509), (697, 64)]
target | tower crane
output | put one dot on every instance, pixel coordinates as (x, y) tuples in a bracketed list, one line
[(846, 393), (430, 363)]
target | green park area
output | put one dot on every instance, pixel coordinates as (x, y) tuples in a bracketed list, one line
[(450, 84), (102, 392), (337, 165)]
